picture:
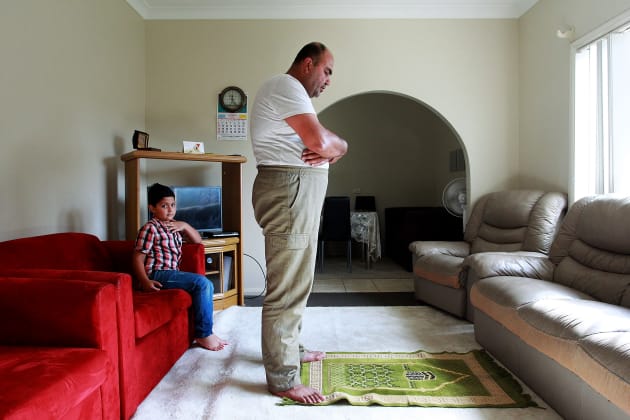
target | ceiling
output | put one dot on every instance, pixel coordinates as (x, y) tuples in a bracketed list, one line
[(331, 9)]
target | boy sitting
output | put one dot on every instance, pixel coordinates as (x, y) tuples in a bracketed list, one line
[(156, 257)]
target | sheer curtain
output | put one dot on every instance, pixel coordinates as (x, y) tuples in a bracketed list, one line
[(602, 114)]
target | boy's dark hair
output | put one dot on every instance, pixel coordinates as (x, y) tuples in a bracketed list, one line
[(158, 192)]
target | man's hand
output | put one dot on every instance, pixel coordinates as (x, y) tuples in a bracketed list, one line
[(313, 159), (317, 139)]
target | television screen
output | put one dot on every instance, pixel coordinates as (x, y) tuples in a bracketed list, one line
[(200, 207)]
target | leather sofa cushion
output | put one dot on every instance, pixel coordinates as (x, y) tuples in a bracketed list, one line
[(515, 220), (614, 233), (517, 264), (592, 251), (580, 270), (482, 245), (41, 383), (573, 319), (510, 209), (154, 309), (611, 349), (513, 292)]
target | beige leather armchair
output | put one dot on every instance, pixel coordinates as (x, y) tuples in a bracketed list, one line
[(523, 222)]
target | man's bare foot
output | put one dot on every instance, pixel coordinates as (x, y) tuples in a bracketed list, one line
[(211, 342), (302, 394), (312, 356)]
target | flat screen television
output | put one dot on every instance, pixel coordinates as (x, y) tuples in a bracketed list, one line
[(200, 207)]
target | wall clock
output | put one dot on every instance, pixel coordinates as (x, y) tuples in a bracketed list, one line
[(232, 99)]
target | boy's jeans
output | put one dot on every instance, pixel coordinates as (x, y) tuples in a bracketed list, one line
[(200, 289)]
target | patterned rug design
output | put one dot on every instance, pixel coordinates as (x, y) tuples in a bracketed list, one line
[(424, 379)]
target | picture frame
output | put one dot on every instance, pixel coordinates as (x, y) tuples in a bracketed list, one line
[(195, 147), (140, 140)]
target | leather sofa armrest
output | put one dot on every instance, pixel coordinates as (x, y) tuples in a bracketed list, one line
[(514, 264), (453, 248)]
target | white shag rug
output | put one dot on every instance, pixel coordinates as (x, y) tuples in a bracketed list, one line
[(230, 384)]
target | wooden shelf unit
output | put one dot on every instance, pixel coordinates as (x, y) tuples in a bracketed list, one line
[(221, 272), (232, 193)]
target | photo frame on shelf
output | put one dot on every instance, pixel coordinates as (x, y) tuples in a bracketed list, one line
[(195, 147), (140, 140)]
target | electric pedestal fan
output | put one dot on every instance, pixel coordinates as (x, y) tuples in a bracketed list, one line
[(454, 198)]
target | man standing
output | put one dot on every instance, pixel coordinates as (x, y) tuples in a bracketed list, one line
[(292, 151)]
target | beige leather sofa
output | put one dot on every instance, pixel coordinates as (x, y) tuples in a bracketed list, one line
[(562, 323), (519, 221)]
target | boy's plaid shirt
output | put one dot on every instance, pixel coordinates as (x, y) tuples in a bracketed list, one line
[(162, 247)]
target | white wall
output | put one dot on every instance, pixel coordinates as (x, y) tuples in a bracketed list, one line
[(467, 70), (73, 90), (545, 86), (72, 85)]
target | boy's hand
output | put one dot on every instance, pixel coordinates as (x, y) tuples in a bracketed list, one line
[(150, 285), (190, 234), (176, 226)]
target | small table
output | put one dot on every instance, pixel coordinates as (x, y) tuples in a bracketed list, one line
[(365, 229)]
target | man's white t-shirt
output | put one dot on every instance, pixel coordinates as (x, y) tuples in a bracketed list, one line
[(274, 142)]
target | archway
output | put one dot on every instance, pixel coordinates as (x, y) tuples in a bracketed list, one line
[(401, 150)]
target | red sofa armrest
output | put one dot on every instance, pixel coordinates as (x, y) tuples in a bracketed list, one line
[(57, 313), (122, 284), (193, 259)]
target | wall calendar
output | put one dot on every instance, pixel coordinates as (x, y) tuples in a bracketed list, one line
[(231, 126), (231, 120)]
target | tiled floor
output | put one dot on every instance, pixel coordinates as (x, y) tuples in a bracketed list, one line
[(383, 276)]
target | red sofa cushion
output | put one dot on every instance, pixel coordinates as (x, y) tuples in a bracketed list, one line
[(151, 310), (48, 383)]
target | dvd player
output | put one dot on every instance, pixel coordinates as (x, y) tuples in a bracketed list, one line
[(221, 234)]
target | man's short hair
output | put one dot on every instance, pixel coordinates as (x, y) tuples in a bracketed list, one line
[(312, 50), (157, 192)]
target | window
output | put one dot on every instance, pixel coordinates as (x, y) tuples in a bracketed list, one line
[(602, 111)]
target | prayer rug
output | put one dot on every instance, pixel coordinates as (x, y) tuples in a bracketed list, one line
[(424, 379)]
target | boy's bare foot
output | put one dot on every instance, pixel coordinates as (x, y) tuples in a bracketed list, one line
[(211, 342), (312, 356), (302, 394)]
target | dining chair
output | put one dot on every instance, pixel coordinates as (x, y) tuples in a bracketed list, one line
[(335, 227)]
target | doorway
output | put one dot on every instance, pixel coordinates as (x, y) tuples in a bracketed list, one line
[(400, 150)]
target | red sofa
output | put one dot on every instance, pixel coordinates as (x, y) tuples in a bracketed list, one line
[(154, 329), (58, 349)]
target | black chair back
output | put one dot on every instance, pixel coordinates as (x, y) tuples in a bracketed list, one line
[(335, 226), (365, 203), (336, 219)]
